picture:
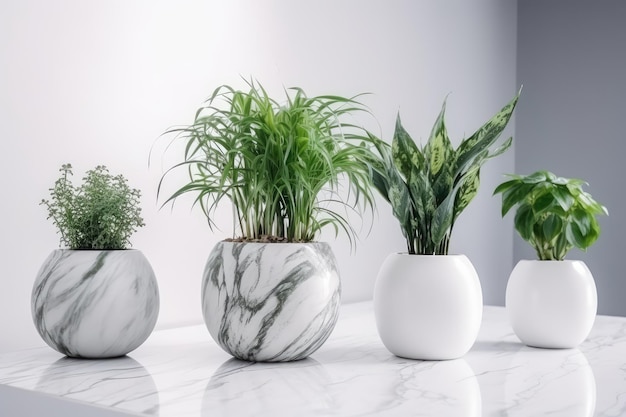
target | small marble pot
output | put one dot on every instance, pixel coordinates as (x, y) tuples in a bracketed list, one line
[(551, 304), (428, 307), (270, 302), (95, 303)]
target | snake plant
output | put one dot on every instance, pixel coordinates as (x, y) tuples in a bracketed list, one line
[(428, 187)]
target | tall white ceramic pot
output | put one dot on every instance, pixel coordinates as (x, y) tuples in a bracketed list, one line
[(551, 304), (428, 306), (270, 302), (95, 303)]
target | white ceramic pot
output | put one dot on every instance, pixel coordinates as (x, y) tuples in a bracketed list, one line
[(95, 303), (551, 304), (428, 306), (270, 302)]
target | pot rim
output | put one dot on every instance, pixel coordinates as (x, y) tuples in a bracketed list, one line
[(551, 260), (96, 250), (450, 255), (229, 241)]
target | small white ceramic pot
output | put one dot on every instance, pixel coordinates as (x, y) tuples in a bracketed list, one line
[(428, 306), (271, 302), (551, 304), (95, 303)]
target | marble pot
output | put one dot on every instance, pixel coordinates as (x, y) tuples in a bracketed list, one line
[(270, 302), (95, 303), (428, 307), (551, 304)]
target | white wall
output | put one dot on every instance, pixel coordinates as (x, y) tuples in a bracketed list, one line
[(572, 62), (97, 82)]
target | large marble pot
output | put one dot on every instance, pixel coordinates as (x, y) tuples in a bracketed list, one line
[(95, 303), (270, 302)]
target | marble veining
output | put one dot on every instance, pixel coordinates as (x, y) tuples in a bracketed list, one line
[(95, 304), (271, 302), (120, 382), (183, 373)]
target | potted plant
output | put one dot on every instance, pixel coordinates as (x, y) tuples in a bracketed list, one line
[(427, 303), (95, 299), (551, 302), (271, 292)]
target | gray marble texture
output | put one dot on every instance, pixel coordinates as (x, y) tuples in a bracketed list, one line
[(181, 372), (270, 301), (95, 304)]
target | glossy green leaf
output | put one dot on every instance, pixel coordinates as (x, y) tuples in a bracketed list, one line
[(563, 197), (502, 148), (582, 219), (423, 196), (467, 192), (442, 185), (443, 218), (552, 227), (438, 150), (380, 167), (513, 196), (575, 236), (400, 200), (506, 185), (594, 232), (484, 137), (524, 221), (544, 203), (404, 151), (536, 177), (379, 181)]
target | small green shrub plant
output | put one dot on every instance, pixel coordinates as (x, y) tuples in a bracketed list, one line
[(101, 213), (553, 214), (281, 164), (428, 187)]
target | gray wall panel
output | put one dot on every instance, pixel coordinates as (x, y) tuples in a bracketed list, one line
[(572, 62)]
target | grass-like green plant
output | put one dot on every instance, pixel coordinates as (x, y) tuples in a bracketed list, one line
[(281, 165), (553, 214), (429, 187), (102, 213)]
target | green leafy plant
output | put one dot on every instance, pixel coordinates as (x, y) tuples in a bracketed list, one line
[(429, 187), (553, 214), (281, 165), (102, 213)]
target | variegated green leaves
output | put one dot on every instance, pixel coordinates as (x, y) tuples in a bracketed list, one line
[(428, 188), (553, 214)]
